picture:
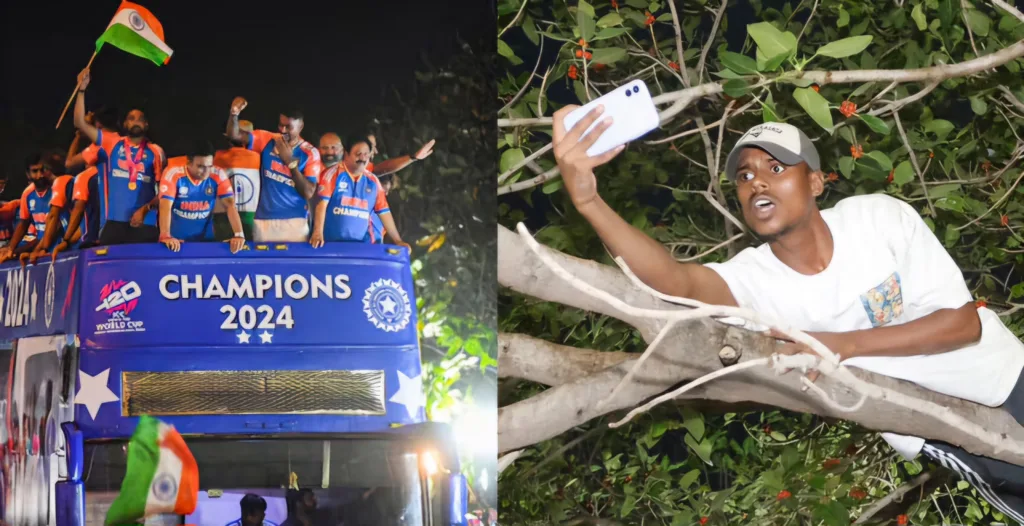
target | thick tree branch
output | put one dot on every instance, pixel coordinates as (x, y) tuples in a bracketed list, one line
[(547, 363), (693, 351)]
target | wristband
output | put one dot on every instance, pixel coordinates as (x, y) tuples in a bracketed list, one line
[(240, 235)]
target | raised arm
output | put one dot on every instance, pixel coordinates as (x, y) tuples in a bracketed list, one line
[(647, 258), (232, 130), (391, 166), (83, 126)]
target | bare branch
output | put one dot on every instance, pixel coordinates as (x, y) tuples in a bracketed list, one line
[(684, 75), (711, 40), (530, 183), (514, 20), (913, 161), (508, 173), (1009, 8), (898, 494)]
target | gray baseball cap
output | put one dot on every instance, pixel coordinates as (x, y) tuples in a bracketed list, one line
[(784, 142)]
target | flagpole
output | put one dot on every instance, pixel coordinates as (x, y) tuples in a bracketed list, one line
[(68, 105)]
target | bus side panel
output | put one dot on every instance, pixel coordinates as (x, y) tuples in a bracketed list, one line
[(35, 460)]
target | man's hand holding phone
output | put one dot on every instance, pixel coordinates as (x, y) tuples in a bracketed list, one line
[(571, 153)]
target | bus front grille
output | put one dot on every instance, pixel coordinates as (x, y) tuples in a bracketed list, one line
[(252, 392)]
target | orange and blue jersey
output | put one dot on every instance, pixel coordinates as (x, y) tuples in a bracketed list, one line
[(350, 203), (86, 187), (128, 176), (35, 205), (377, 229), (278, 197), (8, 220), (91, 155), (192, 202)]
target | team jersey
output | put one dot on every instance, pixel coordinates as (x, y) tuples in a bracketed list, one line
[(278, 197), (350, 203), (91, 155), (35, 206), (243, 168), (85, 190), (8, 220), (192, 202), (128, 176)]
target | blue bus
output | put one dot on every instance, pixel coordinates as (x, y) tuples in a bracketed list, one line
[(280, 365)]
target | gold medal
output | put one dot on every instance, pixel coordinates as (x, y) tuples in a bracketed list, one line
[(132, 185)]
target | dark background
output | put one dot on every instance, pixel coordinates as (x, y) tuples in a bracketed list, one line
[(336, 61)]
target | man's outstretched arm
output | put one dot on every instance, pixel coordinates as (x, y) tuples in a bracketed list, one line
[(648, 259)]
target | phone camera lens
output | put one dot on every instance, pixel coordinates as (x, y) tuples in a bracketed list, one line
[(636, 89), (628, 93)]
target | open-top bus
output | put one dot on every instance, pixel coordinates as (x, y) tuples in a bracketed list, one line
[(279, 363)]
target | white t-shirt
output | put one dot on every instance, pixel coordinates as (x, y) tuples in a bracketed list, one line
[(887, 268)]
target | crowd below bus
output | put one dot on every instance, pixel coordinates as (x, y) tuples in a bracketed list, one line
[(127, 191)]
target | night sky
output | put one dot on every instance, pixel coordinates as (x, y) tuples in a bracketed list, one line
[(334, 61)]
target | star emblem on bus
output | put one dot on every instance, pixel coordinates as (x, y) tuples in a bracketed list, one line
[(387, 305), (93, 391)]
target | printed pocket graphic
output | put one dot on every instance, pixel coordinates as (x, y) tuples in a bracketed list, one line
[(884, 302)]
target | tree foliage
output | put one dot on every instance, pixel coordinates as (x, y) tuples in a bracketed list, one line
[(945, 143), (442, 206)]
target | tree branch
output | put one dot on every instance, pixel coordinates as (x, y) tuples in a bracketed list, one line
[(547, 363), (880, 504), (693, 352)]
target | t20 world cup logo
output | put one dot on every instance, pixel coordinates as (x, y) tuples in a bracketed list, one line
[(119, 295)]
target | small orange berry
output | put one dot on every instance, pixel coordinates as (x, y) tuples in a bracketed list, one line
[(833, 177), (1004, 220), (981, 304), (673, 65), (816, 88), (703, 521), (783, 495), (848, 108), (902, 520), (856, 151), (583, 43)]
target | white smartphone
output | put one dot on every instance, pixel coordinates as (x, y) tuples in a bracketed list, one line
[(633, 113)]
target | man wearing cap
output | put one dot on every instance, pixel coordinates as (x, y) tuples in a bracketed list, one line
[(867, 278), (243, 168)]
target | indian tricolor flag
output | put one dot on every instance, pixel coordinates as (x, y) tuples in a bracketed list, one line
[(162, 476), (135, 30)]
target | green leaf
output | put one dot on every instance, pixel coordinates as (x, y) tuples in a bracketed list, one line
[(815, 105), (845, 47), (586, 8), (878, 161), (736, 88), (741, 64), (979, 106), (768, 112), (530, 30), (510, 158), (702, 448), (608, 55), (769, 64), (609, 20), (954, 203), (979, 22), (585, 20), (694, 423), (846, 165), (940, 127), (904, 173), (504, 50), (611, 32), (771, 41), (581, 92), (918, 15), (688, 479), (844, 18), (875, 123), (639, 4), (962, 485), (778, 437), (627, 506), (833, 514), (552, 186)]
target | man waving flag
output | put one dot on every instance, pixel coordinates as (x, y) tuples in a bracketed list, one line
[(135, 30)]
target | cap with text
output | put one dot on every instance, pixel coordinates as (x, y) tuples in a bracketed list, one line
[(785, 142)]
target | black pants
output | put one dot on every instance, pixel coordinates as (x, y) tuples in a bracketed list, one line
[(122, 233), (1000, 483)]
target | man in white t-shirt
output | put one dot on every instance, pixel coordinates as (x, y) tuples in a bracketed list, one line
[(867, 278)]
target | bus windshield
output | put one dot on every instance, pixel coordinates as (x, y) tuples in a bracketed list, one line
[(355, 481)]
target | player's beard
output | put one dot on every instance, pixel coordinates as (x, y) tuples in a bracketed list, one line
[(331, 159), (43, 183), (136, 131)]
